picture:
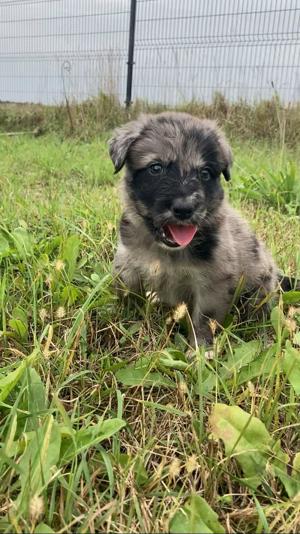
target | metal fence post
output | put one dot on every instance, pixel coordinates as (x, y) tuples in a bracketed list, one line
[(130, 61)]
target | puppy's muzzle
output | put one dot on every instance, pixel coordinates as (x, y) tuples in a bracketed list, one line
[(184, 208)]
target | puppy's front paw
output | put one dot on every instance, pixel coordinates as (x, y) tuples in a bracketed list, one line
[(191, 353), (203, 338)]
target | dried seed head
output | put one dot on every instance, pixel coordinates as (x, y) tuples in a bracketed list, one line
[(36, 508), (60, 312), (213, 326), (43, 314), (179, 312), (49, 280), (182, 387), (191, 463), (59, 265), (291, 325), (110, 227), (293, 310), (251, 388), (174, 468)]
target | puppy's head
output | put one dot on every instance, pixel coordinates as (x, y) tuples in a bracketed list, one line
[(174, 162)]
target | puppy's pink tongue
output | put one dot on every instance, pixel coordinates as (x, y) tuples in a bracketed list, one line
[(183, 235)]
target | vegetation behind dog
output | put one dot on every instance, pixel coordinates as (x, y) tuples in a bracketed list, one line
[(264, 120), (106, 425)]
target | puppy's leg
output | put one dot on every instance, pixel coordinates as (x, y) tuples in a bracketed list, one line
[(255, 302), (200, 332), (208, 311), (127, 276)]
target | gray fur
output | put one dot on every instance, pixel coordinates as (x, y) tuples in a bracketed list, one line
[(205, 285)]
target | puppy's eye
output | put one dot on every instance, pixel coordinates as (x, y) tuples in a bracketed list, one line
[(205, 175), (156, 169)]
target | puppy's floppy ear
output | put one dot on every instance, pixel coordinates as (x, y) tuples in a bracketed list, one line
[(227, 158), (226, 174), (121, 141)]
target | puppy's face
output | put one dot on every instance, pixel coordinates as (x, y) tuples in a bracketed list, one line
[(174, 162)]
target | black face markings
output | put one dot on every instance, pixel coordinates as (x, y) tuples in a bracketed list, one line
[(231, 291), (158, 192), (157, 188), (226, 173)]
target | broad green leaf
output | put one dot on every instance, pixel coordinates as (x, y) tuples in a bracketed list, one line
[(134, 328), (38, 463), (291, 366), (291, 297), (141, 376), (206, 382), (23, 242), (9, 446), (242, 355), (70, 294), (8, 382), (261, 366), (124, 460), (19, 313), (173, 364), (70, 251), (42, 528), (279, 463), (109, 469), (245, 437), (34, 399), (174, 354), (88, 437), (277, 320), (196, 516), (19, 328), (95, 277), (143, 372), (165, 408), (19, 322), (78, 319), (174, 359), (296, 469), (4, 247), (262, 518), (296, 339), (141, 475), (43, 261)]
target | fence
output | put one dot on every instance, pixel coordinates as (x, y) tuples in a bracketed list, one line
[(183, 50)]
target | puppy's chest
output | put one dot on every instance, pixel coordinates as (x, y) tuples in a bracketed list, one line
[(174, 283)]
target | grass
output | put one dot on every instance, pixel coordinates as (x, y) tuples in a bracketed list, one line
[(106, 425), (269, 120)]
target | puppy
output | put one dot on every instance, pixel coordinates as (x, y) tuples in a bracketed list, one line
[(178, 235)]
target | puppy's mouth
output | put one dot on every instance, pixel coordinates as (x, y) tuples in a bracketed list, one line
[(177, 235)]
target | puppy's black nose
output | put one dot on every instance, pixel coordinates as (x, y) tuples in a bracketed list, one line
[(183, 208)]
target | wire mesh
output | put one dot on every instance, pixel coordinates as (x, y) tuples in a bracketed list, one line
[(50, 50), (53, 49)]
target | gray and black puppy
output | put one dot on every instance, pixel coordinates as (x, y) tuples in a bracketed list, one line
[(178, 235)]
